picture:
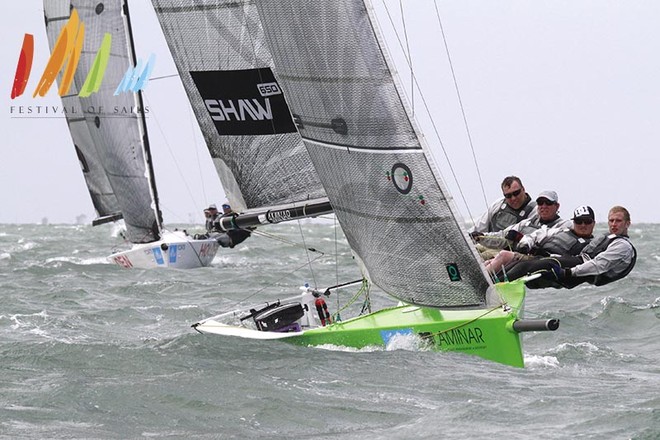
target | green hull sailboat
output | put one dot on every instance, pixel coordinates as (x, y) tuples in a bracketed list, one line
[(492, 333), (348, 106)]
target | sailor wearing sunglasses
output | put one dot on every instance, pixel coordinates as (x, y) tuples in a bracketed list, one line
[(545, 242), (607, 258), (515, 206), (547, 209)]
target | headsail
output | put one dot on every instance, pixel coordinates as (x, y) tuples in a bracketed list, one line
[(108, 131), (225, 68), (393, 207)]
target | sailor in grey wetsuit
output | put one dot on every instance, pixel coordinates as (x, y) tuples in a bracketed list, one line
[(605, 259), (516, 206)]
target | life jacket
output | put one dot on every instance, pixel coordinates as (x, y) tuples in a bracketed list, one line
[(531, 225), (599, 245), (551, 223), (566, 242), (507, 216)]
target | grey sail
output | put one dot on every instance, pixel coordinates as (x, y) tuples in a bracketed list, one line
[(115, 135), (393, 207), (225, 68), (103, 197)]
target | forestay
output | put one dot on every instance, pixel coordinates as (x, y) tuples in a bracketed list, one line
[(225, 67), (107, 130), (396, 213)]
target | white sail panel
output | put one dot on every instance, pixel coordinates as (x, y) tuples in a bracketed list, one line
[(113, 122), (225, 68), (395, 213)]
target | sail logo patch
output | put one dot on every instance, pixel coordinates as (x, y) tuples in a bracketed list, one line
[(452, 271), (244, 102), (278, 216), (269, 89), (401, 177)]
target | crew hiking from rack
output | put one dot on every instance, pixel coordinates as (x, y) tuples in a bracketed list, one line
[(231, 237), (515, 206), (547, 216), (228, 238), (546, 242), (607, 258)]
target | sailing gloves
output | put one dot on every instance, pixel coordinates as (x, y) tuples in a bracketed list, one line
[(514, 236), (556, 272)]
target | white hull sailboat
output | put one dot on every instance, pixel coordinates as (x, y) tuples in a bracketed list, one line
[(175, 250), (110, 137)]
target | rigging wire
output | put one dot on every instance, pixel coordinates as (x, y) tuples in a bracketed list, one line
[(460, 102), (240, 301), (428, 112), (192, 119), (412, 75), (311, 270), (176, 162), (283, 240)]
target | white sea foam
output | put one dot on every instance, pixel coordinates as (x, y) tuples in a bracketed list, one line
[(586, 347), (409, 342), (536, 361), (332, 347)]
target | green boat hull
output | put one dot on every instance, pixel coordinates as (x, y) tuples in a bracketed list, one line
[(487, 333)]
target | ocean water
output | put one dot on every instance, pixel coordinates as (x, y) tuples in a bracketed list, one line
[(90, 350)]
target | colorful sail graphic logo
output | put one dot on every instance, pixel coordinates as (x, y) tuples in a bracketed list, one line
[(65, 57)]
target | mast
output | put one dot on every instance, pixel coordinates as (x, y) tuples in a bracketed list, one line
[(143, 125)]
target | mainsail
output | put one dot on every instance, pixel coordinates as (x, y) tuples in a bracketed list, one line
[(109, 132), (225, 67), (392, 205)]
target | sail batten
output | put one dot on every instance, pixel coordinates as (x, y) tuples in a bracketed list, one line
[(395, 212), (226, 70), (373, 150)]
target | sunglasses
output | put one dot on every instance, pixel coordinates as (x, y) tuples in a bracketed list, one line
[(515, 193), (583, 221), (545, 202)]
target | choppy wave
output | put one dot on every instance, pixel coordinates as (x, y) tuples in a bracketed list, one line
[(91, 350)]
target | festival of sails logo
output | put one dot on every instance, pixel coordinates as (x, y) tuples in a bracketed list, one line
[(66, 51)]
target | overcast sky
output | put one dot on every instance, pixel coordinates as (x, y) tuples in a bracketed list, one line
[(564, 94)]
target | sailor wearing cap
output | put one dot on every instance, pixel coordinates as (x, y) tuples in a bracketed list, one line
[(607, 258), (545, 242), (547, 215)]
